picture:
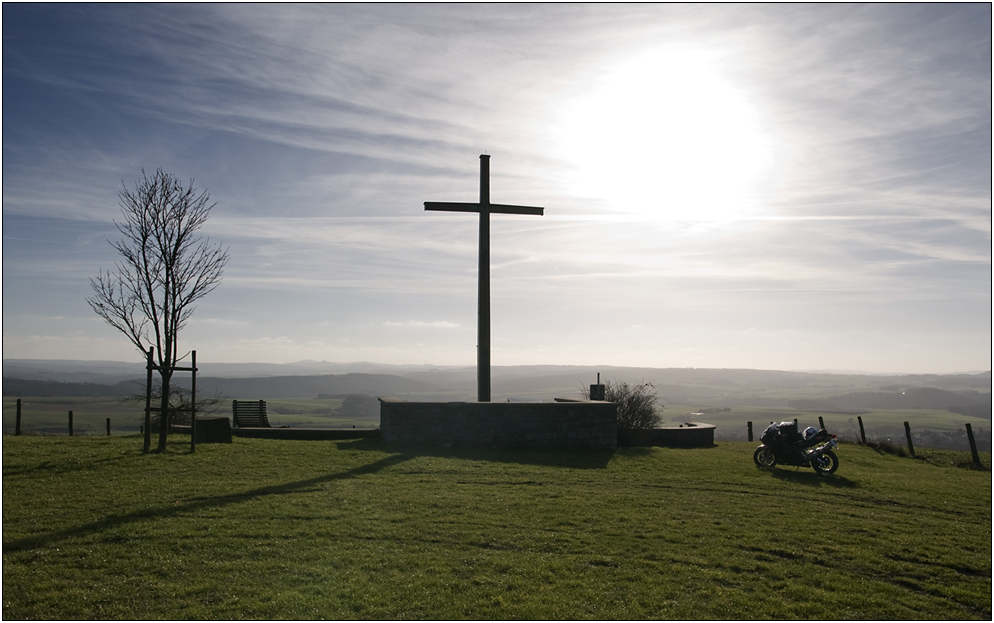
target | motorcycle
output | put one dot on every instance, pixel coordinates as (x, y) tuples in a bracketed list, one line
[(783, 445)]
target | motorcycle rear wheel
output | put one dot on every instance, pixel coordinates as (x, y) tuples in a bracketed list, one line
[(827, 463), (764, 457)]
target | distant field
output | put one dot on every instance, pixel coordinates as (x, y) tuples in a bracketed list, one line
[(50, 416), (270, 529), (880, 424)]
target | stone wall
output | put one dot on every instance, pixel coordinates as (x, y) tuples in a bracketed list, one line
[(500, 424)]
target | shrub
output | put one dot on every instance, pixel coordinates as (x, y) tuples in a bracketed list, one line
[(179, 404), (636, 405)]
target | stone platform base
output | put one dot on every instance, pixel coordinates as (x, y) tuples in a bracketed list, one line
[(575, 424)]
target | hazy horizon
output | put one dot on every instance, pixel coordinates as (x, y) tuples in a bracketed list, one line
[(372, 364), (775, 187)]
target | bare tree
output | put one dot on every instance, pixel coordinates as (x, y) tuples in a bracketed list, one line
[(164, 269)]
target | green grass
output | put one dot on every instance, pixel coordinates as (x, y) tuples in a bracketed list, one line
[(356, 529)]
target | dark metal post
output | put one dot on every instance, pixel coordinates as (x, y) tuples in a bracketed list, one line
[(17, 422), (821, 422), (108, 427), (70, 424), (862, 433), (483, 313), (907, 433), (750, 430), (969, 436), (193, 403), (148, 402)]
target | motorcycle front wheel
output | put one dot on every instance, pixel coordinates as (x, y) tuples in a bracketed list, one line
[(827, 463), (764, 457)]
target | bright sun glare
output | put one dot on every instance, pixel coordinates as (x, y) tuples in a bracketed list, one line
[(665, 135)]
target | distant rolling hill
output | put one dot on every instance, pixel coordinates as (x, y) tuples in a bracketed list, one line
[(15, 387), (309, 386), (700, 387)]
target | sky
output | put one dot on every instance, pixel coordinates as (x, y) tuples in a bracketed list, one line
[(793, 187)]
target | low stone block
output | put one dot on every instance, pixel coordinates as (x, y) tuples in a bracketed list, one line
[(213, 430)]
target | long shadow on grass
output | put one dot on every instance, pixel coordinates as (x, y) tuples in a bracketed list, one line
[(62, 467), (572, 458), (100, 525), (812, 479)]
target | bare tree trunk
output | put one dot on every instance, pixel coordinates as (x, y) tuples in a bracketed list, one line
[(164, 416)]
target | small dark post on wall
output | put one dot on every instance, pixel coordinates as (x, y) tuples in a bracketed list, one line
[(862, 433), (17, 422), (907, 432), (969, 436), (70, 424), (821, 422), (598, 392), (749, 424)]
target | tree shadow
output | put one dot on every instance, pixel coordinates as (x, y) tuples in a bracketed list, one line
[(108, 523), (812, 479), (572, 458), (61, 467)]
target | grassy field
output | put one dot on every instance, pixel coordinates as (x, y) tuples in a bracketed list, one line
[(356, 529), (50, 416)]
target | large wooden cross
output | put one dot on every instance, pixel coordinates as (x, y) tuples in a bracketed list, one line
[(485, 208)]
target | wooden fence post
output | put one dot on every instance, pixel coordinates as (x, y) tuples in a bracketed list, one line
[(973, 444), (17, 423), (108, 427), (821, 422), (70, 424), (862, 433), (193, 404), (907, 432), (147, 429), (750, 430)]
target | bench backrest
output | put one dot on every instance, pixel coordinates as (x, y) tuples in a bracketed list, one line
[(250, 413)]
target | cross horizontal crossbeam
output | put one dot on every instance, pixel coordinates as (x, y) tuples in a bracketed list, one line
[(495, 208)]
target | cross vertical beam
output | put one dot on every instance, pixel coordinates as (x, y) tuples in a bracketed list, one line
[(485, 208), (483, 288)]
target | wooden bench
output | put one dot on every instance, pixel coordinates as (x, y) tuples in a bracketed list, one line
[(250, 414)]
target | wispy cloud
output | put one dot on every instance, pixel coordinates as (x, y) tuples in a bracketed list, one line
[(420, 323), (321, 129)]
